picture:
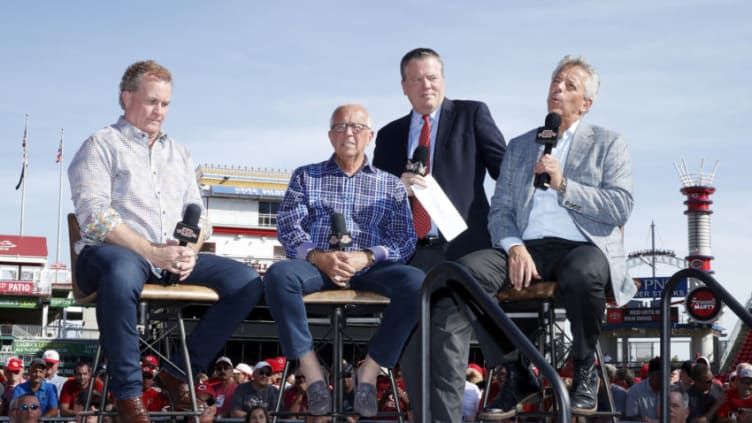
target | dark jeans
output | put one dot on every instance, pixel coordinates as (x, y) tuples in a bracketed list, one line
[(118, 275), (287, 281)]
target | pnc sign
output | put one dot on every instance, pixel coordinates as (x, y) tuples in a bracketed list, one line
[(653, 287)]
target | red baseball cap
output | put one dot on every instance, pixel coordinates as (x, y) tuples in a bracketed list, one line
[(205, 388), (481, 371), (150, 360), (277, 364), (14, 364)]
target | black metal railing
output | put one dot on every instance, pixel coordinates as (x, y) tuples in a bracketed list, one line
[(668, 289), (455, 277)]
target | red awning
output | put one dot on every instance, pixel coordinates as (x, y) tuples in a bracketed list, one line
[(27, 246)]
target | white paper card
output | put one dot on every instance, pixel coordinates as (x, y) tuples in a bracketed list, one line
[(441, 210)]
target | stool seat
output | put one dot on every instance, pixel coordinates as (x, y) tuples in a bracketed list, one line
[(536, 291), (345, 296), (335, 302), (181, 293)]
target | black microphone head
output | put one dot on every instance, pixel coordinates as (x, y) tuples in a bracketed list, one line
[(420, 154), (192, 214), (338, 223), (188, 231), (553, 121)]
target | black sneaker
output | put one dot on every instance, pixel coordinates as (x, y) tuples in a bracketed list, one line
[(585, 388), (521, 388)]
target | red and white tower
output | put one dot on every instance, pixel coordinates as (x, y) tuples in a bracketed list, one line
[(698, 188)]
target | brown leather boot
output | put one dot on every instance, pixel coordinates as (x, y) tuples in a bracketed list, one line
[(132, 410), (179, 391)]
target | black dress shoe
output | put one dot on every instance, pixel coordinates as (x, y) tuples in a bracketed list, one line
[(584, 389), (521, 388)]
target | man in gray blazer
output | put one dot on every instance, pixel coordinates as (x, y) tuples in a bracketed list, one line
[(570, 232)]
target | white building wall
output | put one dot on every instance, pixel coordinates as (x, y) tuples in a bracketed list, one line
[(233, 212)]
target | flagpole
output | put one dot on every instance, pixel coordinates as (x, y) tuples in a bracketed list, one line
[(59, 203), (23, 174)]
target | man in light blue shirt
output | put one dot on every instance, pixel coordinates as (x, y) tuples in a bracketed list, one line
[(569, 232)]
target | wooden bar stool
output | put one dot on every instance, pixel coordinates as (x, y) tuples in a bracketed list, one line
[(543, 295), (336, 303), (169, 300)]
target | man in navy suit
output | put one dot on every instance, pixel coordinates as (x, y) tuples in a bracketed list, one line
[(570, 232), (465, 145)]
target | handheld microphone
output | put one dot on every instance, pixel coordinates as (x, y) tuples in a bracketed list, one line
[(547, 135), (340, 238), (187, 232), (417, 164)]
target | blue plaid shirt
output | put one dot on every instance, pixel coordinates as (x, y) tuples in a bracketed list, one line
[(374, 203)]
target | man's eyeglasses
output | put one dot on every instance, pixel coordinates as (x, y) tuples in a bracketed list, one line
[(27, 407), (356, 127), (299, 378), (265, 373), (148, 376)]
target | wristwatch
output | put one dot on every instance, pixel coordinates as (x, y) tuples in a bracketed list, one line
[(371, 257), (563, 186)]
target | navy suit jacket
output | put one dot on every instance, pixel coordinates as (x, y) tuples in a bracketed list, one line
[(468, 144)]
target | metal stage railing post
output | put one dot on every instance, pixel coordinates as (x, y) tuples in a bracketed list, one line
[(462, 281), (668, 289)]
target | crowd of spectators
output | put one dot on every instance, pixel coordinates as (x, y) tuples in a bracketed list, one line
[(696, 395)]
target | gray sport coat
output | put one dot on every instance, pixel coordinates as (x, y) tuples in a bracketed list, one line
[(598, 169)]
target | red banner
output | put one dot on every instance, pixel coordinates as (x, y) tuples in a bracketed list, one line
[(638, 315), (16, 288)]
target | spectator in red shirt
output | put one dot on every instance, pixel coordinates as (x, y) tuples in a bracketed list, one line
[(278, 366), (74, 386), (224, 385), (13, 372), (94, 404), (153, 398), (206, 399), (294, 398), (738, 402), (387, 401)]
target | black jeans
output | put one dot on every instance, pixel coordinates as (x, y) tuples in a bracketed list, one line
[(580, 269)]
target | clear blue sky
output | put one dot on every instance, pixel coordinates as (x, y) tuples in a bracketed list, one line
[(255, 83)]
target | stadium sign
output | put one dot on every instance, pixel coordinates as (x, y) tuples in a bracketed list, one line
[(702, 305), (653, 287)]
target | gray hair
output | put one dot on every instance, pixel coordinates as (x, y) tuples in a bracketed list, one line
[(346, 106), (591, 84), (15, 401), (684, 395)]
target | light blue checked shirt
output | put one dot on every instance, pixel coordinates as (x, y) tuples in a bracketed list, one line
[(116, 178), (374, 203)]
